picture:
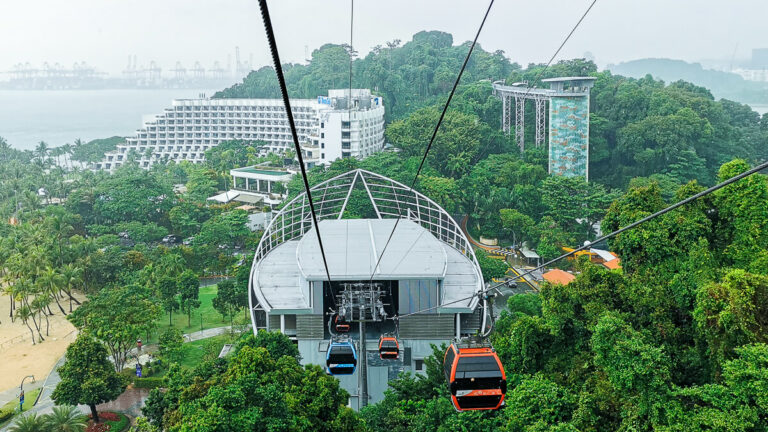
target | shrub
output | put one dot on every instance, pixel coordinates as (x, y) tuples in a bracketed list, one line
[(149, 383), (101, 427), (5, 415)]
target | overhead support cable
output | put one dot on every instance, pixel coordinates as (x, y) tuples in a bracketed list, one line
[(674, 206), (434, 134), (286, 101), (562, 44)]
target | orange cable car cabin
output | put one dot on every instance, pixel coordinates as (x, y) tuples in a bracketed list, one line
[(389, 348), (340, 325), (475, 377)]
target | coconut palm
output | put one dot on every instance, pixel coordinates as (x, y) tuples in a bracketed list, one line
[(41, 152), (24, 313), (67, 148), (73, 277), (65, 418), (29, 423), (4, 149), (51, 283)]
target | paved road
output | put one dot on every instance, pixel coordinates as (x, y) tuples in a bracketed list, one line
[(130, 402)]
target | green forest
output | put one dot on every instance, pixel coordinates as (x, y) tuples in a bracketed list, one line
[(676, 340)]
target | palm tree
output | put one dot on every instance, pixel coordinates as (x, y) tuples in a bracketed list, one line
[(67, 150), (73, 276), (41, 151), (51, 282), (66, 418), (4, 148), (29, 423), (25, 313)]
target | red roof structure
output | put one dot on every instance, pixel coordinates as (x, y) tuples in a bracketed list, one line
[(559, 277)]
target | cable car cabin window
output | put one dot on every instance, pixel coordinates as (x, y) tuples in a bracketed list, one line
[(448, 363), (389, 344), (483, 367), (342, 355)]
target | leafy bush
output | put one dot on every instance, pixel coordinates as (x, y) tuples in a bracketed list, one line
[(149, 383), (5, 415)]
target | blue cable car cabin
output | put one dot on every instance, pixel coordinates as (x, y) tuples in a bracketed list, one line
[(341, 358)]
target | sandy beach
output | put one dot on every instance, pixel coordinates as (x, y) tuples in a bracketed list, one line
[(17, 354)]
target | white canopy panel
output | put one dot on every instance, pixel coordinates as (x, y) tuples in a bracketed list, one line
[(352, 247)]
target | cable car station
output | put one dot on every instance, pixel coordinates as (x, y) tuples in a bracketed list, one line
[(422, 290)]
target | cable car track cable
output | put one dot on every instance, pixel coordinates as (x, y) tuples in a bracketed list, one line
[(663, 211), (284, 91), (434, 134), (551, 59)]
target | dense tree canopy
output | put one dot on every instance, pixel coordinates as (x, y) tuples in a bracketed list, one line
[(87, 376)]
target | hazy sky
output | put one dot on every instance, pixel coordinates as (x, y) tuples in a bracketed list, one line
[(105, 32)]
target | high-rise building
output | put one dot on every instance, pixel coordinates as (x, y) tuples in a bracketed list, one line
[(329, 128)]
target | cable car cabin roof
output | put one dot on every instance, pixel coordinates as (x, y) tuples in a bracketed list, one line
[(352, 247)]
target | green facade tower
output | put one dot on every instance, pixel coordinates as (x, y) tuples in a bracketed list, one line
[(569, 126)]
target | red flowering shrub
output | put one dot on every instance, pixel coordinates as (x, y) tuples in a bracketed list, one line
[(101, 427), (109, 416)]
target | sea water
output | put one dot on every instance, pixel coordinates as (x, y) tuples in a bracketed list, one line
[(61, 116)]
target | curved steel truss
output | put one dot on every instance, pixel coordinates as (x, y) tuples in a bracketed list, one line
[(390, 199)]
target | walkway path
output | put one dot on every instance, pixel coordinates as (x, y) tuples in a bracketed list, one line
[(132, 401), (463, 225)]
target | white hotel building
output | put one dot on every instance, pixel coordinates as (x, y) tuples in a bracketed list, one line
[(192, 126)]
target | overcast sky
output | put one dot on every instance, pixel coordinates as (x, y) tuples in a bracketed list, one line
[(105, 32)]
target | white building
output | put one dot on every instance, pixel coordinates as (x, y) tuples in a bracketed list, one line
[(759, 75), (192, 126), (265, 182)]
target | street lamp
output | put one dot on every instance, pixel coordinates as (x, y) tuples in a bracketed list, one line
[(21, 391)]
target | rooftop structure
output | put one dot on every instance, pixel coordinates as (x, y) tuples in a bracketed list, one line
[(264, 182), (429, 267), (568, 120), (328, 128), (558, 277)]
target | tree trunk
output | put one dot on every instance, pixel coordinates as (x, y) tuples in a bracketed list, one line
[(170, 318), (30, 332), (59, 304), (94, 414), (189, 317), (47, 325), (37, 327)]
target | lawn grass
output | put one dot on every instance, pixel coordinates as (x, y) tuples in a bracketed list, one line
[(119, 425), (29, 400), (193, 352), (210, 318)]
